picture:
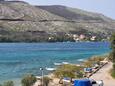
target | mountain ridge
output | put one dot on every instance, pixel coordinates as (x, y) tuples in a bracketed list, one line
[(22, 22), (60, 8)]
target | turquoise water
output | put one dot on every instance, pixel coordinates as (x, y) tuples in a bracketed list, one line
[(18, 59)]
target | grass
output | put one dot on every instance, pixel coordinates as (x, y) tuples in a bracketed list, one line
[(74, 71), (69, 70), (113, 73), (94, 60)]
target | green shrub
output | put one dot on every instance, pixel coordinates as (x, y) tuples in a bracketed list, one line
[(88, 64), (68, 71), (113, 48), (113, 73), (28, 80), (113, 66), (94, 60), (112, 54), (8, 83)]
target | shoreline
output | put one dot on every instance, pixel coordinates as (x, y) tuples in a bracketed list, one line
[(17, 80), (102, 73), (58, 42)]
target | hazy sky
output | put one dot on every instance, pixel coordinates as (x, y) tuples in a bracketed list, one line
[(106, 7)]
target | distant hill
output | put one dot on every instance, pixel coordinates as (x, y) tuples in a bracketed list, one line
[(22, 22), (74, 13)]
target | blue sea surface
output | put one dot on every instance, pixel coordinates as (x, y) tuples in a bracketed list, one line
[(18, 59)]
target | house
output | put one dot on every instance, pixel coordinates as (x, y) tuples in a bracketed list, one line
[(81, 37), (93, 38)]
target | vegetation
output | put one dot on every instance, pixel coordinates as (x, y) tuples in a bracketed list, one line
[(68, 70), (33, 36), (8, 83), (113, 73), (73, 71), (46, 81), (94, 60), (28, 80), (38, 23), (112, 54)]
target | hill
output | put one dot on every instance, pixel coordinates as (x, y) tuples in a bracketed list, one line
[(22, 22), (74, 13)]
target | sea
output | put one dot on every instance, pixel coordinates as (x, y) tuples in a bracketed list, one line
[(19, 59)]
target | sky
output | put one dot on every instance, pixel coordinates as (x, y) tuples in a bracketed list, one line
[(106, 7)]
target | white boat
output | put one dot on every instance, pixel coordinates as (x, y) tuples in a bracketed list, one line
[(50, 69)]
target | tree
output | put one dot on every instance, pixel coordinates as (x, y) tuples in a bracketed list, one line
[(112, 54), (114, 66), (113, 48), (8, 83), (28, 80)]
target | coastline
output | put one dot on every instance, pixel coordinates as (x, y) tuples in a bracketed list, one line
[(105, 68), (80, 60), (17, 81)]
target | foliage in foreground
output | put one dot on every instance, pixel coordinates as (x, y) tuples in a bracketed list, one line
[(46, 81), (113, 71), (112, 55), (8, 83), (28, 80), (68, 70)]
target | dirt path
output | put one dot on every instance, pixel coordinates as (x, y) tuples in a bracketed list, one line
[(103, 74)]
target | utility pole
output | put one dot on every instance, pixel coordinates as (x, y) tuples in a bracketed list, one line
[(42, 77)]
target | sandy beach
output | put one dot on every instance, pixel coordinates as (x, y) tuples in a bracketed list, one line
[(103, 74)]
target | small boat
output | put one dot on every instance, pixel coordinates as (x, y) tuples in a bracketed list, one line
[(50, 69)]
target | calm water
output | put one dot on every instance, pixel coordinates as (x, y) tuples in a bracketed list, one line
[(17, 59)]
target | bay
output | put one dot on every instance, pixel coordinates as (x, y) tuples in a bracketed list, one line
[(18, 59)]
